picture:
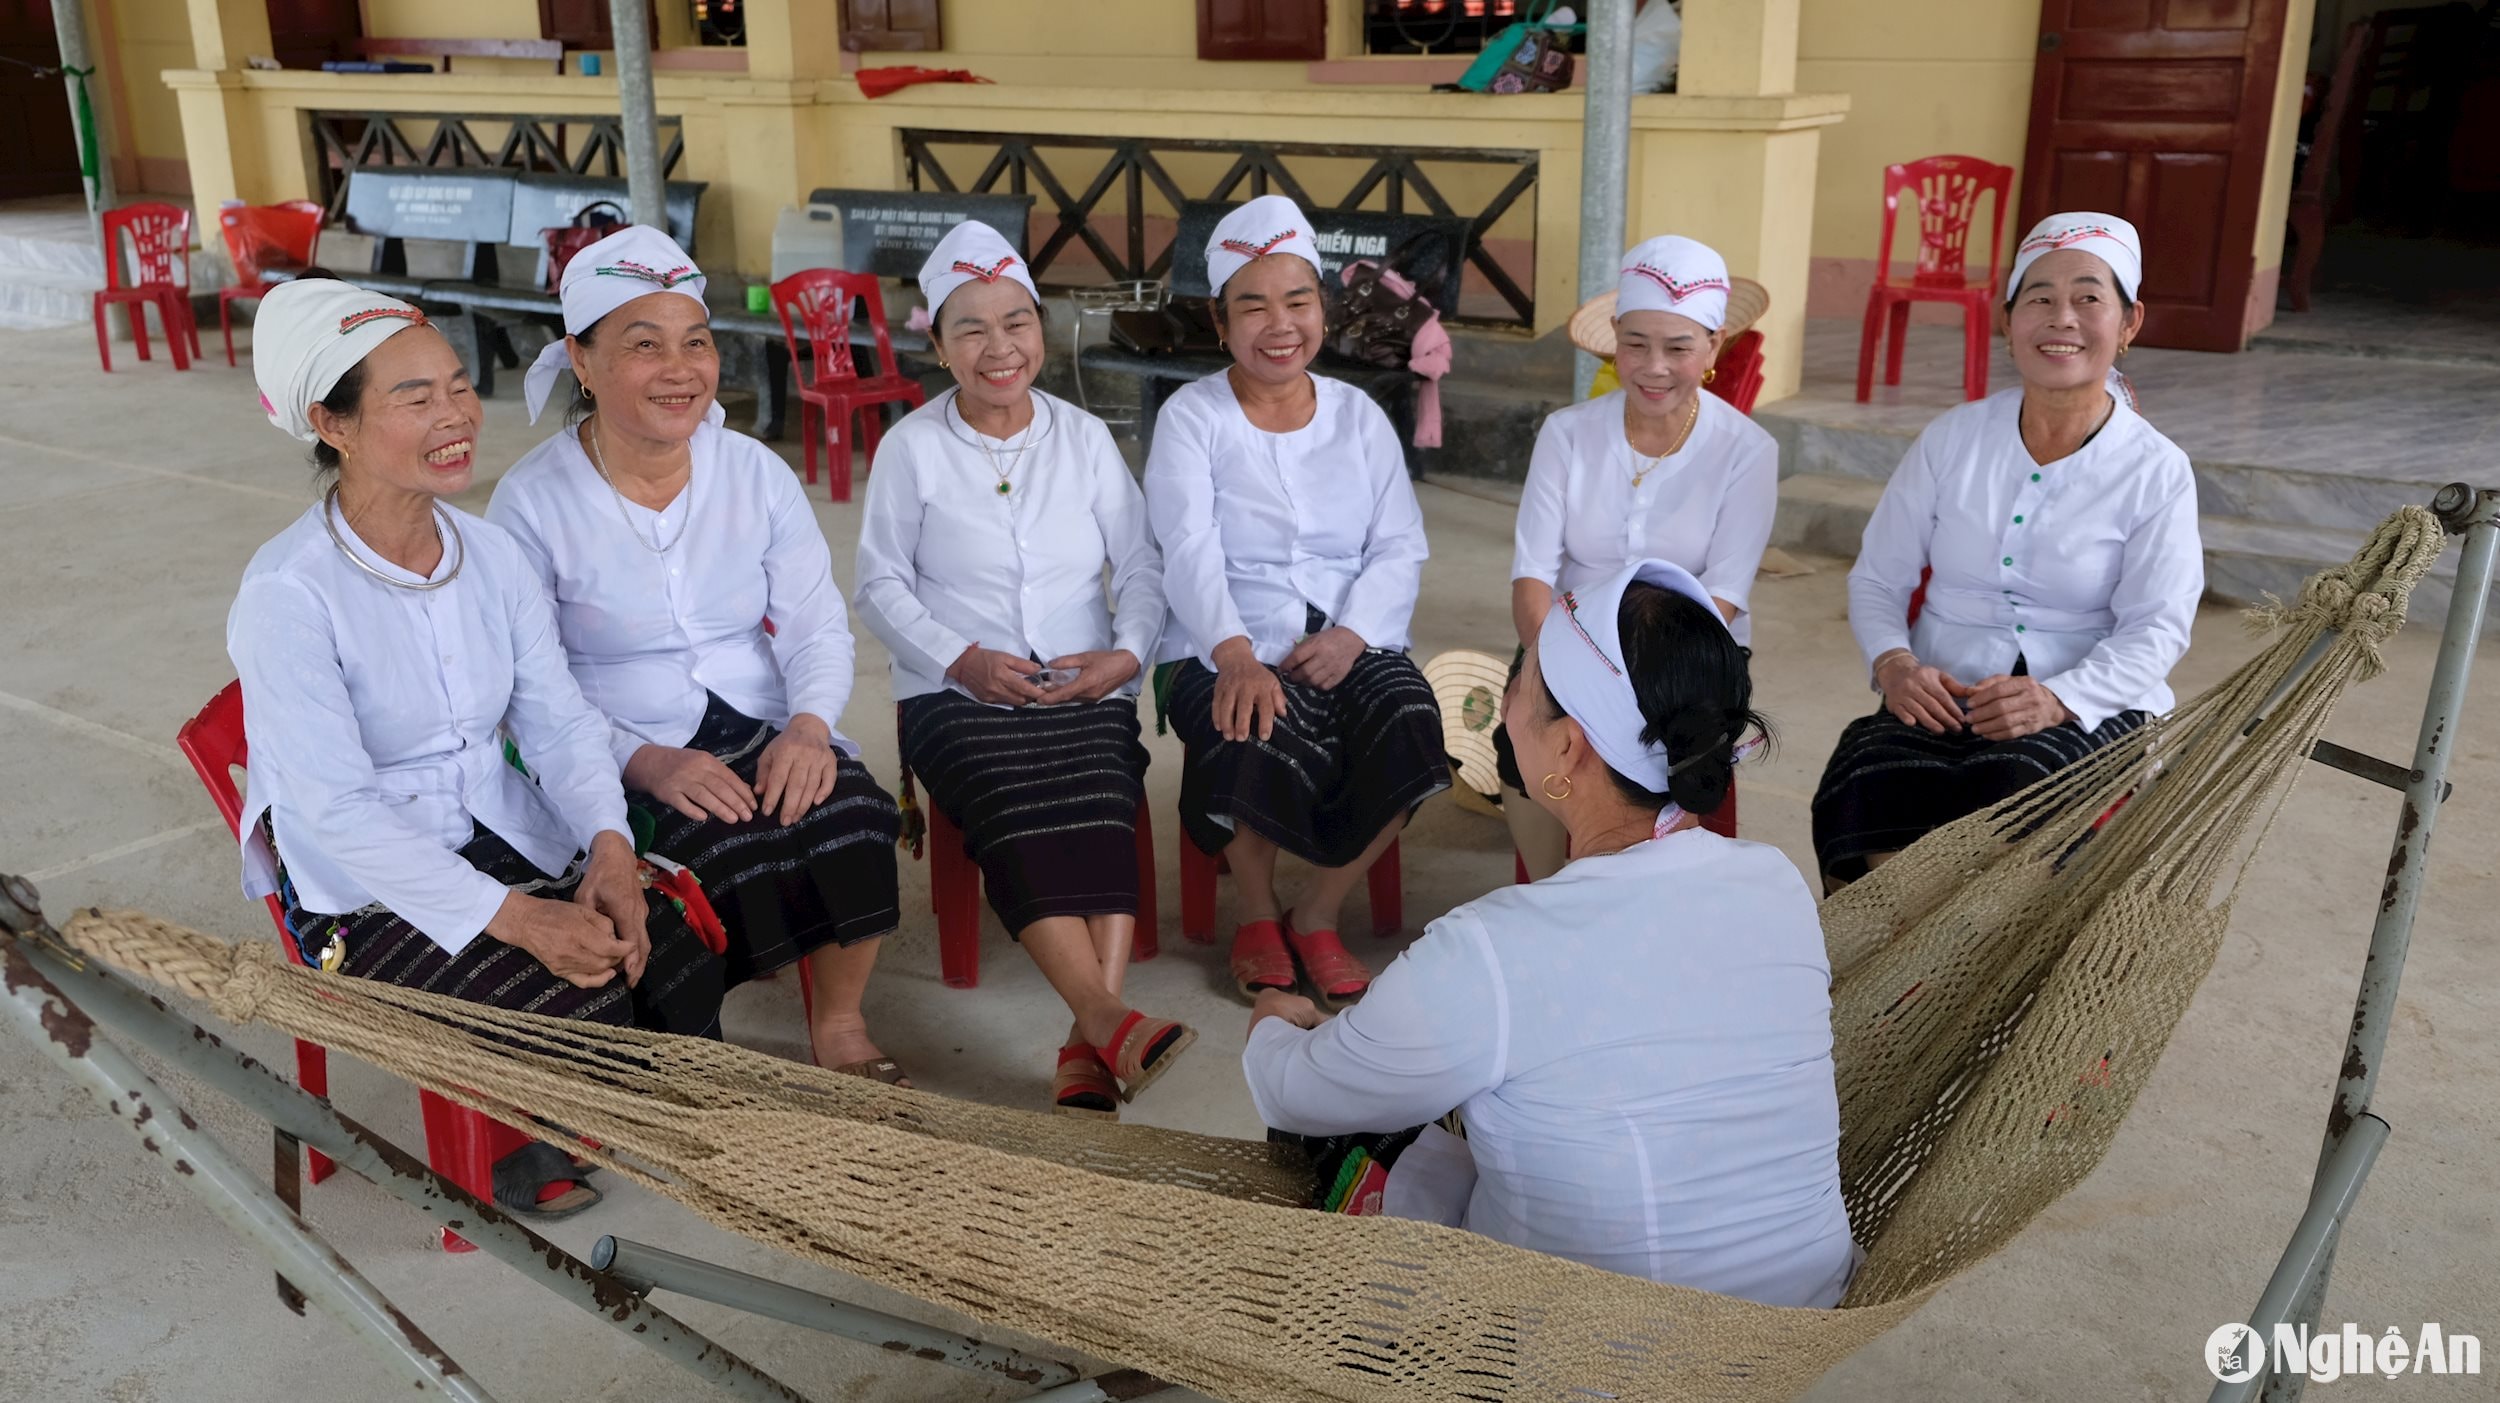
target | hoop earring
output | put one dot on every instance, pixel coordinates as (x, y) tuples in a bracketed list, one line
[(2122, 351), (1549, 787), (1711, 374), (943, 364)]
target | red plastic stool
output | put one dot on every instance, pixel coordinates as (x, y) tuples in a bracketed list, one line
[(1386, 882), (955, 894), (460, 1144)]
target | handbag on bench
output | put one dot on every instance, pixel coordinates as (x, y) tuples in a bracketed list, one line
[(595, 222)]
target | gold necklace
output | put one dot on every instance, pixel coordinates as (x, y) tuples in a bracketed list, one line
[(1692, 416)]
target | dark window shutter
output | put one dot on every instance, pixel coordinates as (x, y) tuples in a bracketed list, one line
[(583, 24), (889, 25), (1263, 29)]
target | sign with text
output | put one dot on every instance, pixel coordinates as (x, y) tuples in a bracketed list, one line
[(890, 232), (468, 206), (1345, 236)]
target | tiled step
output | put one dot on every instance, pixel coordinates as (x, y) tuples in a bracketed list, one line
[(1811, 442), (2245, 561)]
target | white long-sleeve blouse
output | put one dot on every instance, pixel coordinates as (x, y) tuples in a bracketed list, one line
[(2088, 568), (946, 560), (1706, 507), (1641, 1048), (372, 716), (648, 631), (1256, 526)]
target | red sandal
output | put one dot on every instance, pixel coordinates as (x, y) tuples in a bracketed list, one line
[(1083, 1085), (1142, 1049), (1336, 977), (1260, 959)]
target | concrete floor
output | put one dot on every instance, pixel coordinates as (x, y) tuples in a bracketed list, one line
[(129, 504)]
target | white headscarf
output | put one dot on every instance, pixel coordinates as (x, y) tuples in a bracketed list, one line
[(635, 261), (1672, 273), (2105, 236), (309, 333), (1580, 651), (971, 252), (1268, 224)]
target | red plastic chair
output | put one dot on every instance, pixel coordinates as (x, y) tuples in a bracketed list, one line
[(160, 250), (955, 895), (1386, 883), (1948, 190), (822, 301), (462, 1145), (260, 239), (1739, 371)]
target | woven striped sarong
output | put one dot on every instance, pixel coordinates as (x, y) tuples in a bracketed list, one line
[(681, 984), (782, 891), (1046, 797), (1890, 784), (1337, 768)]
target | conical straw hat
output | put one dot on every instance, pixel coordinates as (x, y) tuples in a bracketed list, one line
[(1469, 685), (1592, 328)]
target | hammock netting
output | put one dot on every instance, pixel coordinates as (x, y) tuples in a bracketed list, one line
[(2001, 991)]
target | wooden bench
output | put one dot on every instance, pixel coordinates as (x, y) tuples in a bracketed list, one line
[(1345, 236)]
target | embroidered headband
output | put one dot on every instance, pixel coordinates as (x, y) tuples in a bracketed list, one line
[(635, 261), (2104, 236), (1672, 273), (1268, 224), (971, 252), (309, 333), (1580, 651)]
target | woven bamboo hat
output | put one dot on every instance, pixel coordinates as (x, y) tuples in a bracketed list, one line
[(1592, 328), (1469, 685)]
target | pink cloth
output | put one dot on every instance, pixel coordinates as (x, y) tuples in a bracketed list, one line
[(1430, 357)]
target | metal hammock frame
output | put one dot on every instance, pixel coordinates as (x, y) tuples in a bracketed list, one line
[(57, 999)]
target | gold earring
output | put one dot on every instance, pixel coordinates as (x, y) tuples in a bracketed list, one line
[(2122, 350), (943, 365), (1549, 787), (1709, 375)]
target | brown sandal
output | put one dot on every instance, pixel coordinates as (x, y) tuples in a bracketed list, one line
[(1143, 1049), (1083, 1086), (1260, 959)]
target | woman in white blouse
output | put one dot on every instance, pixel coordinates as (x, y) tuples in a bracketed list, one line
[(1658, 468), (1639, 1046), (695, 599), (990, 520), (1293, 551), (384, 640), (2061, 531)]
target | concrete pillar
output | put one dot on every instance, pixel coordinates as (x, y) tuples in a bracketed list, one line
[(1738, 48), (224, 33), (69, 26), (793, 39), (1605, 142), (639, 113)]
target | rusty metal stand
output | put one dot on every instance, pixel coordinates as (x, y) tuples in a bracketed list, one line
[(2353, 1134)]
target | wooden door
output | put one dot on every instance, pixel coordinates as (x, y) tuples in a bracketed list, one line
[(1263, 29), (2158, 111), (891, 26), (41, 155), (309, 33)]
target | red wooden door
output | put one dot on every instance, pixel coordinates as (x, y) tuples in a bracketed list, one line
[(41, 155), (2157, 111), (1262, 29), (309, 33)]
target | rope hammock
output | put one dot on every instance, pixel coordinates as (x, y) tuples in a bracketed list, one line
[(2001, 991)]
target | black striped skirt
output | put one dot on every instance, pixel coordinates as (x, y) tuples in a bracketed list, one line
[(1046, 797), (1338, 766), (1890, 783), (681, 985), (780, 890)]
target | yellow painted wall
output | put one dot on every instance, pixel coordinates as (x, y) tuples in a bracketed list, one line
[(451, 19), (149, 37), (2274, 197), (1924, 78)]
